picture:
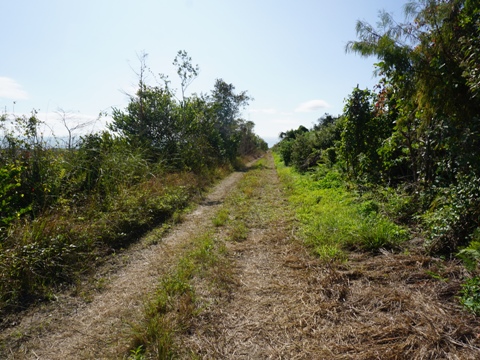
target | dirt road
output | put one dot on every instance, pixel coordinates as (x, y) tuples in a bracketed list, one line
[(96, 326), (283, 304)]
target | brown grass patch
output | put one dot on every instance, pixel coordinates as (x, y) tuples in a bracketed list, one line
[(289, 305)]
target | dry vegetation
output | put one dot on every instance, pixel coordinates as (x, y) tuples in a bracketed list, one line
[(261, 295), (94, 320), (290, 305)]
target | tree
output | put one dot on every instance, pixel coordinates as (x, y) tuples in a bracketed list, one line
[(185, 70), (429, 67), (359, 141), (227, 106), (151, 120), (426, 65), (67, 119)]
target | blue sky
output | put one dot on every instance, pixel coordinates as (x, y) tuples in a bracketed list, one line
[(80, 56)]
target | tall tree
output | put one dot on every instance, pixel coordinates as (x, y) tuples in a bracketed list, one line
[(227, 107), (424, 64)]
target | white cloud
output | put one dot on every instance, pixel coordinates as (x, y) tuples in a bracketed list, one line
[(312, 105), (10, 89)]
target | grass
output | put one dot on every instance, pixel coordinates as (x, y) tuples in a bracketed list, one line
[(205, 268), (57, 248), (334, 220), (175, 304), (221, 218)]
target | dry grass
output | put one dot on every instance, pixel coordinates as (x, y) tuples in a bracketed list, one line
[(97, 326), (289, 305), (271, 299)]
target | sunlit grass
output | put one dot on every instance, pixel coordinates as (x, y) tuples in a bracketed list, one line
[(333, 219)]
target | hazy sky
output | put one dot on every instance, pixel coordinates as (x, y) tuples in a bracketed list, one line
[(289, 55)]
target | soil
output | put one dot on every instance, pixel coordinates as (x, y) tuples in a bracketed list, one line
[(285, 304)]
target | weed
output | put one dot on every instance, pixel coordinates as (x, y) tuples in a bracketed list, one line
[(239, 231), (470, 295), (137, 353), (221, 217), (376, 233)]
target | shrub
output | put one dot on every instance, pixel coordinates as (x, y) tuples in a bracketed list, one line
[(470, 295), (454, 215)]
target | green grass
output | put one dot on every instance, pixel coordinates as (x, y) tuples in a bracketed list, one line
[(334, 220), (221, 217), (174, 303)]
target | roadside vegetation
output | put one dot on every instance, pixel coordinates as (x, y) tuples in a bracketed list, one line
[(334, 219), (402, 161), (63, 209), (176, 303)]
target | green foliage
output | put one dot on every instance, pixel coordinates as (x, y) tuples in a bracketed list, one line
[(365, 130), (327, 178), (227, 106), (221, 217), (11, 204), (470, 24), (304, 149), (453, 215), (137, 353), (470, 295), (398, 204), (152, 121), (471, 254), (377, 232), (285, 148), (33, 267), (304, 153), (194, 133)]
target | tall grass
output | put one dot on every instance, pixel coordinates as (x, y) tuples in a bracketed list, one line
[(96, 200)]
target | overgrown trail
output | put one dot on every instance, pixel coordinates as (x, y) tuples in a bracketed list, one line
[(98, 326), (272, 312), (277, 301)]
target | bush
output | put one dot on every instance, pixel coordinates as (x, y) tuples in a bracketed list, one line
[(304, 153), (285, 150), (454, 215)]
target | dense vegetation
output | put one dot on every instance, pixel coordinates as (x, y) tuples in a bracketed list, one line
[(411, 142), (62, 208)]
